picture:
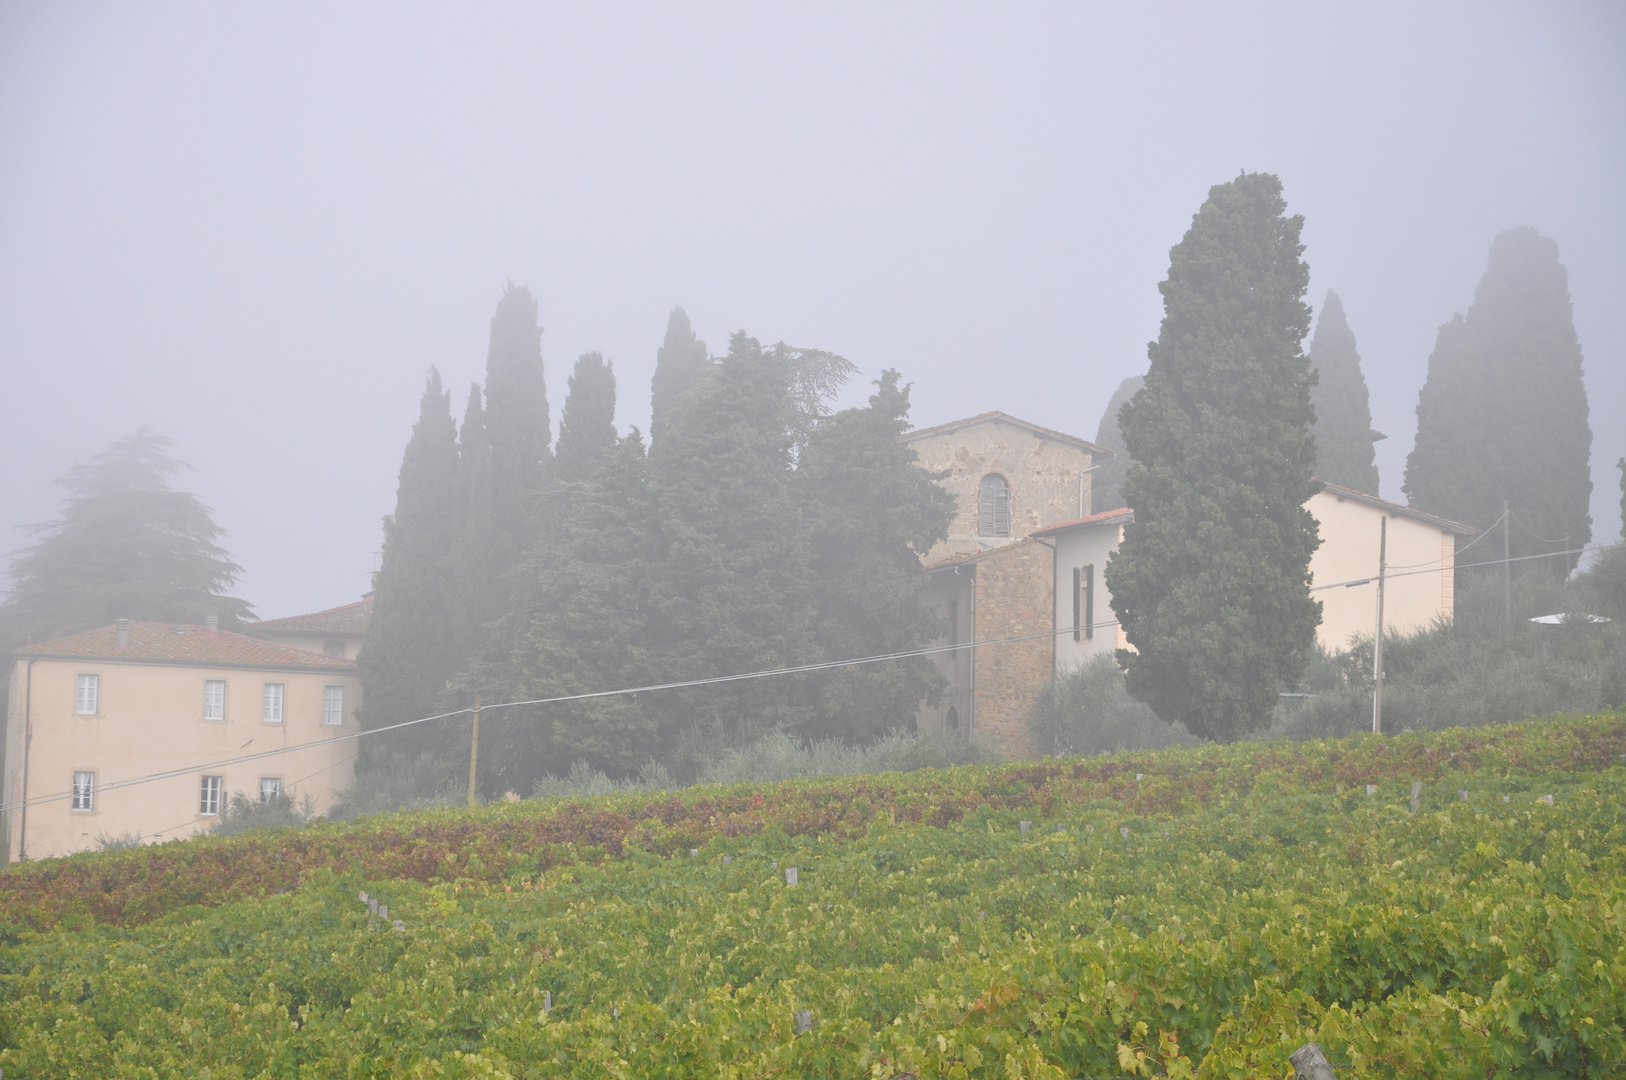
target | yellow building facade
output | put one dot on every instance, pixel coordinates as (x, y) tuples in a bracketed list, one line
[(151, 728)]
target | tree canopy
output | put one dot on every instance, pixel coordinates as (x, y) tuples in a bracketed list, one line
[(1503, 413), (1343, 413), (1211, 583), (127, 546), (1107, 482), (587, 425)]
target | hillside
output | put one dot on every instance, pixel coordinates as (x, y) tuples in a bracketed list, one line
[(1195, 911)]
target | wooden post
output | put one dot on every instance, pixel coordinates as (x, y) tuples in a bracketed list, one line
[(474, 748), (1416, 796), (1309, 1064)]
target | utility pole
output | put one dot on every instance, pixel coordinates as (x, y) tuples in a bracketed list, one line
[(474, 748), (1507, 567), (1377, 636)]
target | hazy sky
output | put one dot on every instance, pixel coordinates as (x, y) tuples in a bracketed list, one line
[(254, 227)]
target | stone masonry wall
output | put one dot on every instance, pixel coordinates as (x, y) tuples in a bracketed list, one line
[(1014, 597)]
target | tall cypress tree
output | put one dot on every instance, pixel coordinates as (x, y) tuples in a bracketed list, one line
[(732, 590), (870, 511), (475, 577), (587, 424), (518, 427), (681, 358), (411, 647), (1343, 413), (1106, 486), (1503, 413), (1211, 582)]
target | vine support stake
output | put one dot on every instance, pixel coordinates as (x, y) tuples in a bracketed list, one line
[(1416, 796), (1309, 1064)]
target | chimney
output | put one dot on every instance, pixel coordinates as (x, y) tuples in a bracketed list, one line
[(124, 633), (211, 623)]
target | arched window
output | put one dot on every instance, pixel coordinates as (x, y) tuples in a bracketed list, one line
[(994, 506), (952, 721)]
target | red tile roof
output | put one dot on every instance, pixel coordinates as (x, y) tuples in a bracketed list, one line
[(349, 619), (174, 643), (1122, 513)]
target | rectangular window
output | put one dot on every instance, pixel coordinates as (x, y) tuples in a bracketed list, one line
[(270, 788), (332, 704), (271, 703), (209, 795), (84, 791), (1086, 599), (88, 696), (214, 699)]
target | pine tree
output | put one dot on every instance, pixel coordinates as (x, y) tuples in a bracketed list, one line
[(127, 546), (732, 590), (1343, 414), (411, 649), (1503, 413), (587, 425), (870, 511), (1211, 583), (1106, 485), (681, 359)]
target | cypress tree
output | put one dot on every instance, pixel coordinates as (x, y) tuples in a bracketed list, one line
[(1503, 412), (1211, 582), (732, 589), (1343, 414), (587, 425), (1621, 465), (1106, 485), (870, 511), (411, 647), (517, 423), (475, 576), (681, 359)]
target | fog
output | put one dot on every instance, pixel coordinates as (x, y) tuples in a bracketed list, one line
[(253, 228)]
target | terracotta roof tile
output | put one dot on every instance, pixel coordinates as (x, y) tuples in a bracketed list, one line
[(1122, 512), (177, 643), (348, 619)]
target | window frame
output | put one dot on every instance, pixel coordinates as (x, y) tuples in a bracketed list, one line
[(93, 681), (208, 684), (332, 717), (281, 709), (82, 800), (1084, 602), (276, 791), (994, 506), (211, 794)]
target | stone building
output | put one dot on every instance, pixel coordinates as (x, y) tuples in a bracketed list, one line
[(990, 580)]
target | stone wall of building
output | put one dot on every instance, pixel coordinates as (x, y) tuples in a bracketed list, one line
[(1014, 598)]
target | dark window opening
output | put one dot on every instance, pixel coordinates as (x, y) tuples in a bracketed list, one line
[(952, 721), (333, 648)]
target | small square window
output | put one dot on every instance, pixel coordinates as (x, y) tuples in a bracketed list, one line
[(88, 695), (270, 788), (84, 791), (271, 703), (214, 699), (209, 795), (332, 704)]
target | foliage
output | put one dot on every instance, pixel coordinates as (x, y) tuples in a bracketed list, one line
[(396, 780), (1343, 414), (123, 841), (1503, 413), (243, 814), (1186, 912), (1088, 710), (1600, 589), (1106, 483), (681, 358), (1476, 669), (410, 650), (1211, 582), (587, 425), (126, 546), (870, 512)]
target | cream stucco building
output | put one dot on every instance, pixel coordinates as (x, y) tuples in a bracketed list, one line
[(151, 728)]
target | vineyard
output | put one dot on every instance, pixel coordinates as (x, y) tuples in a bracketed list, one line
[(1448, 905)]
